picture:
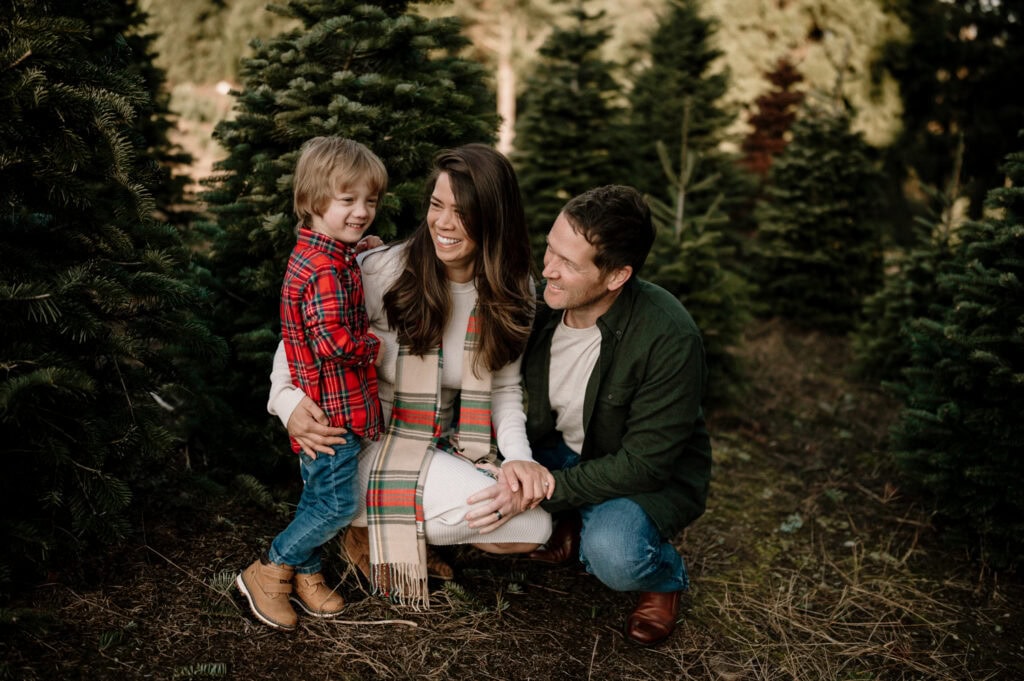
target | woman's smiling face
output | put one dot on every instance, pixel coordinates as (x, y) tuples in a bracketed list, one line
[(452, 243)]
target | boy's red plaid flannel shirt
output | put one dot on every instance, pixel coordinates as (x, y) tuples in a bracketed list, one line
[(327, 335)]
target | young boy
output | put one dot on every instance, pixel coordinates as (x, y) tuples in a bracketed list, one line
[(331, 354)]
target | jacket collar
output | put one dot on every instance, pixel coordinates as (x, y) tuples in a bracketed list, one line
[(614, 321)]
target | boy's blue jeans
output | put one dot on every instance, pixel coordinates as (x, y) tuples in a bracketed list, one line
[(327, 505), (619, 543)]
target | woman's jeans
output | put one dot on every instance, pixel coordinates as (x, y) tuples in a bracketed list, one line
[(619, 543), (327, 506)]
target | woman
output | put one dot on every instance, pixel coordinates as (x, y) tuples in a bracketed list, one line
[(452, 305)]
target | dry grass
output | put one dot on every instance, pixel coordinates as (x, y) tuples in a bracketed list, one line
[(810, 563)]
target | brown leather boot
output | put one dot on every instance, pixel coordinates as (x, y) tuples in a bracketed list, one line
[(564, 544), (654, 619), (314, 596), (437, 567), (355, 548), (266, 586)]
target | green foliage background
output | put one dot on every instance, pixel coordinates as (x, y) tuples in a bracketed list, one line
[(98, 298), (570, 123), (960, 434), (123, 292)]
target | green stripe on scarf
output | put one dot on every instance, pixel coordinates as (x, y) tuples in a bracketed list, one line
[(394, 497)]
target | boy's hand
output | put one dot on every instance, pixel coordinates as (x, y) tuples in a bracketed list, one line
[(368, 242)]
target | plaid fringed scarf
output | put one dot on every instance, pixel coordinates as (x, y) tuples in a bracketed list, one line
[(394, 497)]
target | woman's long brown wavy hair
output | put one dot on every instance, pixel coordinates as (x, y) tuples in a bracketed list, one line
[(418, 304)]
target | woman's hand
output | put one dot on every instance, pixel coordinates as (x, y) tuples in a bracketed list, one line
[(499, 504), (520, 487), (532, 481), (310, 427)]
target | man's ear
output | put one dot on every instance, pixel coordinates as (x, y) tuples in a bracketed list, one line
[(618, 278)]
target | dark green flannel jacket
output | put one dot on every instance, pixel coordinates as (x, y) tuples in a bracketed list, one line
[(645, 436)]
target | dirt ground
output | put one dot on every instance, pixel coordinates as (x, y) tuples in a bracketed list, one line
[(812, 562)]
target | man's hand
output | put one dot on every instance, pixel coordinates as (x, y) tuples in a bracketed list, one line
[(310, 427), (532, 481)]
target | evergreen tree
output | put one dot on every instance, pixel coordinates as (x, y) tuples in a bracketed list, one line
[(204, 41), (569, 121), (960, 432), (819, 252), (776, 112), (959, 73), (506, 35), (691, 259), (680, 69), (97, 303), (122, 25), (376, 73), (881, 347)]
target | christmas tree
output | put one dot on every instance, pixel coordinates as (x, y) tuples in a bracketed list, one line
[(98, 303), (568, 122), (681, 69), (691, 259), (880, 344), (819, 253), (960, 432), (776, 112), (121, 25), (376, 73)]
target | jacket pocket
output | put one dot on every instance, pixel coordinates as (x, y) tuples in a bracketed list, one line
[(608, 424), (617, 394)]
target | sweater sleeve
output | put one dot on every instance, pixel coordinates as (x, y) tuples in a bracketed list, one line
[(507, 413), (284, 396)]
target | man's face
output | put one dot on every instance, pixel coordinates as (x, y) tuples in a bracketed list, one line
[(574, 282)]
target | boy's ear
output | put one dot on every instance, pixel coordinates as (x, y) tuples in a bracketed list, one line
[(618, 278)]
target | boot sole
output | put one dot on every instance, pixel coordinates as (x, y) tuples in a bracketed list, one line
[(240, 583), (312, 613), (644, 644)]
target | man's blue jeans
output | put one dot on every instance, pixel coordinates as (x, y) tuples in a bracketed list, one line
[(619, 543), (327, 506)]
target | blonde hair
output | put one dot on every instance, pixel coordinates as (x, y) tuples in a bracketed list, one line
[(327, 165)]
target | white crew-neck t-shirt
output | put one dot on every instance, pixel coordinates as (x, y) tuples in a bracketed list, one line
[(574, 354)]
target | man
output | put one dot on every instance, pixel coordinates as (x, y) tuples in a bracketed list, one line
[(614, 376)]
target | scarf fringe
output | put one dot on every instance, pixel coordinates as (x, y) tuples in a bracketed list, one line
[(406, 583)]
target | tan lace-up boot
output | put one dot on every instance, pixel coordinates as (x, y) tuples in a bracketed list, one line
[(266, 586), (314, 596)]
